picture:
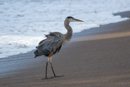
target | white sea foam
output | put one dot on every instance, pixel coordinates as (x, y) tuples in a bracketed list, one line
[(23, 23)]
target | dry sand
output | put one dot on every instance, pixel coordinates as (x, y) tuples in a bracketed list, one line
[(91, 59)]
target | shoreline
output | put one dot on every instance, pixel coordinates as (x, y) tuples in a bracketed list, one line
[(81, 61)]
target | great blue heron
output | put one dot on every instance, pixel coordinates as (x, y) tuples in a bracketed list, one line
[(53, 43)]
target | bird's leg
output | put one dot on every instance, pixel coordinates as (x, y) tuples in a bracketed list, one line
[(52, 67), (46, 68)]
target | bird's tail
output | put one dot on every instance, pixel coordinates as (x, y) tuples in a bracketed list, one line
[(45, 52), (36, 53)]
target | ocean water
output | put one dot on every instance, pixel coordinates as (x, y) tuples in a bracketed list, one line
[(23, 23)]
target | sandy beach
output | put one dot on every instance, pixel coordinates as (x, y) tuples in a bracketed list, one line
[(98, 57)]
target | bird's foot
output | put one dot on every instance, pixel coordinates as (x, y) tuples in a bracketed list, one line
[(58, 76), (45, 78), (52, 77)]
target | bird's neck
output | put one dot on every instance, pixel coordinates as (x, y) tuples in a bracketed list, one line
[(68, 35)]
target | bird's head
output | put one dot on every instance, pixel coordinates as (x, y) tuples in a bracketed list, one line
[(72, 19)]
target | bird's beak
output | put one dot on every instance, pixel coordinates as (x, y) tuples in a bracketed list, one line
[(78, 20)]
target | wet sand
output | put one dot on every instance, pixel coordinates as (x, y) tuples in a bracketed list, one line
[(99, 57)]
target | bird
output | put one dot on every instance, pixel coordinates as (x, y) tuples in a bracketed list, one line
[(53, 43)]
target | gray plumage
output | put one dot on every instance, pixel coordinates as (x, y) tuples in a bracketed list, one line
[(54, 41)]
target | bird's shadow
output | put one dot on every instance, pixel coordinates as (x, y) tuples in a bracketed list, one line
[(53, 77)]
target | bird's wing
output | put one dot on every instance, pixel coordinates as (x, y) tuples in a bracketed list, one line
[(50, 35), (54, 34), (41, 41), (53, 42)]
